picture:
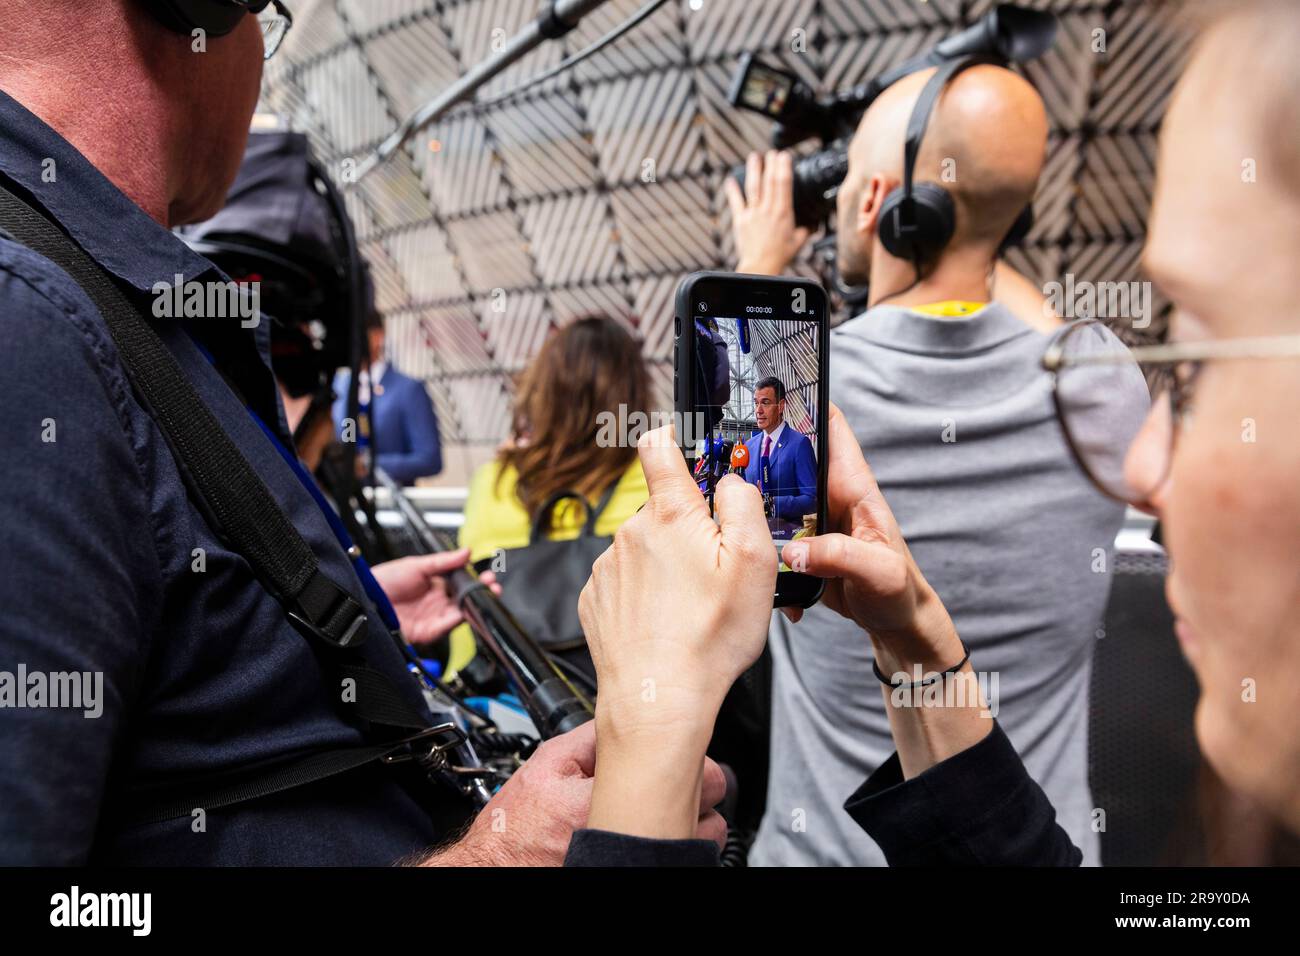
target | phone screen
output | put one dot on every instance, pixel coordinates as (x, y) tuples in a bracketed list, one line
[(758, 396), (750, 364), (765, 90)]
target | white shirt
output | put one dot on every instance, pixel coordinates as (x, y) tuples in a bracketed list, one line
[(375, 375), (775, 435)]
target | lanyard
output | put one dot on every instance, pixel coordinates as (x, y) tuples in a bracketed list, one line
[(359, 564)]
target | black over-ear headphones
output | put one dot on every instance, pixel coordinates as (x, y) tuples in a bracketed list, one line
[(214, 17), (918, 219)]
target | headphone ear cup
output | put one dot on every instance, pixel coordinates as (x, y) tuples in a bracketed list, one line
[(917, 228), (892, 225)]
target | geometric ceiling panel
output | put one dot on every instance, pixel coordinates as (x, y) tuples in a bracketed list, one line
[(422, 256), (374, 14), (493, 252), (542, 145), (1115, 185), (659, 42), (719, 28), (463, 175), (516, 325), (1138, 73), (644, 127), (477, 28), (883, 16), (595, 191), (449, 334), (665, 226), (571, 238), (414, 62)]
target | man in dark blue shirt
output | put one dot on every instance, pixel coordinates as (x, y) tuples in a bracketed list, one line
[(108, 569)]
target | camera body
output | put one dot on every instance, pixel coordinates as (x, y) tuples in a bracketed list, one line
[(1008, 33)]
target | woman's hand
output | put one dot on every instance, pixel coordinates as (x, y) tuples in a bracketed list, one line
[(674, 612)]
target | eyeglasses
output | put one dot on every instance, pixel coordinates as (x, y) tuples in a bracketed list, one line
[(1122, 407), (275, 20)]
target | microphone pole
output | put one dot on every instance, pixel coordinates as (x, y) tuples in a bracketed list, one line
[(552, 702), (555, 20)]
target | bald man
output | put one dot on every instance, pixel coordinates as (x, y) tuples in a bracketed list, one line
[(941, 383)]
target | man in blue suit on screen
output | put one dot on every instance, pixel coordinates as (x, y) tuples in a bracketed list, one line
[(781, 462), (404, 424)]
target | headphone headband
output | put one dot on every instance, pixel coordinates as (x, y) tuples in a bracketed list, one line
[(918, 219), (925, 104)]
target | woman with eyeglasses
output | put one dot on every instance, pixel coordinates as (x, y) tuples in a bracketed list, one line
[(1203, 431)]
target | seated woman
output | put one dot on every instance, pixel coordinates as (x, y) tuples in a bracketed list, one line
[(589, 367)]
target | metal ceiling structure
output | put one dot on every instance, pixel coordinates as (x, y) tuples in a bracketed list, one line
[(598, 190)]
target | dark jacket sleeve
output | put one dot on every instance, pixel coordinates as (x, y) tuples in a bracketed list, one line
[(721, 391), (977, 808), (804, 500), (420, 427), (603, 848)]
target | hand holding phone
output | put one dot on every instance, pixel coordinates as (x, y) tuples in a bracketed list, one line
[(674, 613)]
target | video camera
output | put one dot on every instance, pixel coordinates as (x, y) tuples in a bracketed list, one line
[(1008, 32)]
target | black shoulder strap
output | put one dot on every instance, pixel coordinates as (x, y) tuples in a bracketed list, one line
[(593, 514), (238, 503), (244, 513), (542, 520)]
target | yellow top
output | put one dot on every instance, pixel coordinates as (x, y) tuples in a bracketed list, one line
[(951, 309), (495, 518)]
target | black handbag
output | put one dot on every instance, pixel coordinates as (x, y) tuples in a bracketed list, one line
[(540, 582)]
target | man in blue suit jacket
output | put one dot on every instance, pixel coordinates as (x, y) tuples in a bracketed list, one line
[(781, 462), (404, 426)]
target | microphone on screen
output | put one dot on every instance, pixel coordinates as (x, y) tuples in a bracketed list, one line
[(721, 456), (739, 458)]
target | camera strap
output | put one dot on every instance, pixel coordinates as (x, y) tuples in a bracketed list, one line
[(243, 512)]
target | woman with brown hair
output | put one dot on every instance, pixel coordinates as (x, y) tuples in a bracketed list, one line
[(590, 366)]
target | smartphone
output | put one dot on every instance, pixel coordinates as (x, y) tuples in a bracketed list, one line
[(750, 360)]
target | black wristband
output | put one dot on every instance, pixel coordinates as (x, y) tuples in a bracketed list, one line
[(926, 681)]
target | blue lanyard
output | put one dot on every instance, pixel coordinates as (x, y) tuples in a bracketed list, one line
[(359, 564)]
